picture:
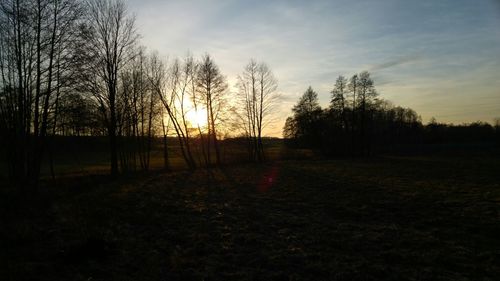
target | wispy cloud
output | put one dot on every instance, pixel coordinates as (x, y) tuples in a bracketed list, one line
[(394, 62)]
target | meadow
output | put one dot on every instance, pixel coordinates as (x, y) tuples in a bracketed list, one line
[(432, 215)]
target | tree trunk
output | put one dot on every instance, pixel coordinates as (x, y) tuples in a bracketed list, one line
[(166, 164), (113, 145)]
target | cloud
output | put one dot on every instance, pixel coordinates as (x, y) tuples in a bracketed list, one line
[(395, 62)]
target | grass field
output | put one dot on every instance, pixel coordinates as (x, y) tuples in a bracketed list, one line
[(77, 156), (385, 218)]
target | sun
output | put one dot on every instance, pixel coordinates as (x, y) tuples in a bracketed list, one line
[(197, 117)]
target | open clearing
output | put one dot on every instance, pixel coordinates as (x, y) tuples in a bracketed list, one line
[(383, 218)]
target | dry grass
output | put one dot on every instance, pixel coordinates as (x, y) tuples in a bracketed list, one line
[(388, 218)]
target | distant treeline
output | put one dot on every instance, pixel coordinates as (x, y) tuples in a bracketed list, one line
[(357, 122)]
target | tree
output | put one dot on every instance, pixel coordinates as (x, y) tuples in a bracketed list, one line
[(496, 125), (185, 73), (307, 104), (191, 67), (211, 88), (180, 76), (367, 94), (338, 101), (139, 110), (290, 129), (379, 121), (307, 119), (75, 115), (366, 89), (257, 96), (157, 81), (352, 88), (35, 42), (107, 39)]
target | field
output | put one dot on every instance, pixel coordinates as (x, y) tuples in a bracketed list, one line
[(84, 155), (390, 217)]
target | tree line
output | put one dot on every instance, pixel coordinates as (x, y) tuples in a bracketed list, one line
[(76, 67), (357, 121)]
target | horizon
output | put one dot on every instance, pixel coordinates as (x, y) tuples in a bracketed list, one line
[(436, 58)]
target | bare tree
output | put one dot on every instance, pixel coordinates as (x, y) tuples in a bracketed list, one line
[(35, 37), (192, 67), (257, 96), (173, 95), (212, 88), (367, 95), (107, 40), (157, 76), (352, 88), (138, 111), (185, 75)]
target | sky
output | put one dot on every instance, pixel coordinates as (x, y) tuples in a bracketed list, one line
[(440, 58)]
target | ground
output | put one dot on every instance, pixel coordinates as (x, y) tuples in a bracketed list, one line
[(383, 218)]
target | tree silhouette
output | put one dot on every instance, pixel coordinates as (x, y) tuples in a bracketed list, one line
[(179, 79), (256, 98), (107, 39), (36, 42), (373, 122), (307, 119), (366, 94), (338, 102), (212, 88)]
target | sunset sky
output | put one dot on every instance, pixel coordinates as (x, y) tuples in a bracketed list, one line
[(441, 58)]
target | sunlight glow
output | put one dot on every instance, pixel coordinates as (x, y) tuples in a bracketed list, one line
[(197, 117)]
